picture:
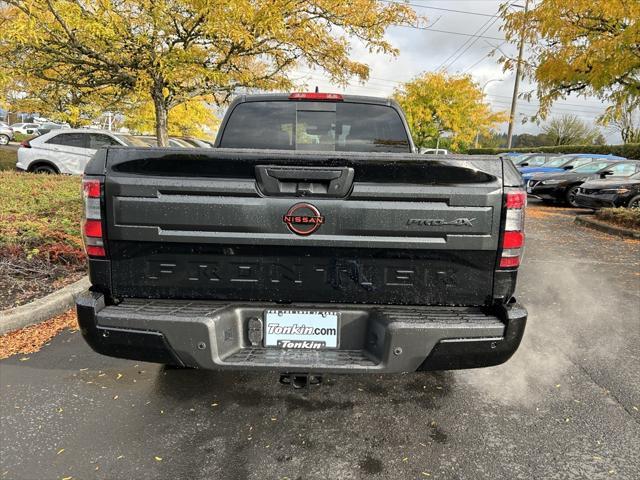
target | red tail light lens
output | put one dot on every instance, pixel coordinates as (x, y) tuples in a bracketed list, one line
[(93, 228), (91, 188), (509, 262), (315, 96), (92, 224), (513, 240), (95, 251), (513, 236), (516, 199)]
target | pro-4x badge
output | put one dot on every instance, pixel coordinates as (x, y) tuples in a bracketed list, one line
[(436, 222), (303, 219)]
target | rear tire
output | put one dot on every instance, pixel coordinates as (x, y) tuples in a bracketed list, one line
[(4, 139), (634, 202), (44, 168), (571, 196)]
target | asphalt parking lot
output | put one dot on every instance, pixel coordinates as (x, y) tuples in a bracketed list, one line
[(566, 406)]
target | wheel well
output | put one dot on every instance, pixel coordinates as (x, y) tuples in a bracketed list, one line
[(37, 163), (636, 196)]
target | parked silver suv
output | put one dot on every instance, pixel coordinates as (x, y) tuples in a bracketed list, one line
[(6, 133)]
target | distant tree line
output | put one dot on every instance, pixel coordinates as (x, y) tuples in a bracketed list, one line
[(563, 130)]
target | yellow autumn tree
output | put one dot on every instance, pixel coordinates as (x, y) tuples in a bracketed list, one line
[(589, 47), (171, 51), (435, 103), (59, 102), (193, 118)]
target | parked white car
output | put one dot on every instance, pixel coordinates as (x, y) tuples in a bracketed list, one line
[(67, 150), (435, 151), (6, 133), (26, 128)]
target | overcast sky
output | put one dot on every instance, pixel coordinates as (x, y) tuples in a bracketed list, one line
[(429, 50)]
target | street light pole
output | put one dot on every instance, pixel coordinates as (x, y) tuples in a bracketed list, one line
[(516, 84), (483, 87)]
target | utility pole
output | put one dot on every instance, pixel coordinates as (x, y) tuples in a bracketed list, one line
[(516, 85)]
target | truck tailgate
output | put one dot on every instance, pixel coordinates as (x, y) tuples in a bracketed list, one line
[(232, 225)]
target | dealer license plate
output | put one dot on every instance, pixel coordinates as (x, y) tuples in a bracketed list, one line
[(301, 329)]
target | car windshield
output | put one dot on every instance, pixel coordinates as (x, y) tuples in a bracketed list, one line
[(131, 141), (556, 162), (592, 167)]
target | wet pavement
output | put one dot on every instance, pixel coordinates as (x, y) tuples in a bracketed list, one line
[(566, 406)]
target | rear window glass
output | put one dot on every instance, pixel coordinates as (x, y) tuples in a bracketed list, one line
[(286, 125), (70, 140)]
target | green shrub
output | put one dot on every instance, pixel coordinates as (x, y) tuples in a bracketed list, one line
[(629, 150), (40, 216), (8, 158), (626, 217)]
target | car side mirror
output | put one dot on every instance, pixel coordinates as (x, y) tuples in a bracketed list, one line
[(568, 167), (605, 173)]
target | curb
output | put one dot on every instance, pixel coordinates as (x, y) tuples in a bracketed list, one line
[(42, 309), (590, 222)]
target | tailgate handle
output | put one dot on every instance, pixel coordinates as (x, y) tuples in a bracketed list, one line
[(304, 181)]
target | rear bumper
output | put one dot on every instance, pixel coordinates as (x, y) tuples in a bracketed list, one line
[(373, 338), (597, 202), (547, 192)]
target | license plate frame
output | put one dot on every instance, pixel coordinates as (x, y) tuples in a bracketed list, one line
[(293, 329)]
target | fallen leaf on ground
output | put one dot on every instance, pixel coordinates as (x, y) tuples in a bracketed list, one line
[(158, 459), (31, 339)]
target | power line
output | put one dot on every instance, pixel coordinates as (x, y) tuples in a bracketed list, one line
[(471, 44), (555, 106), (484, 57), (440, 8), (429, 29), (477, 32), (558, 103)]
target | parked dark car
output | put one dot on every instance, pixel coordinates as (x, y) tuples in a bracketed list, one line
[(610, 192), (563, 186)]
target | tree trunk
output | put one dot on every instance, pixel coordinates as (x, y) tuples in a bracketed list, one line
[(162, 129)]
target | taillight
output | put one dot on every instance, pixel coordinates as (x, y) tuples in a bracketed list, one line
[(513, 237), (315, 96), (25, 144), (92, 231)]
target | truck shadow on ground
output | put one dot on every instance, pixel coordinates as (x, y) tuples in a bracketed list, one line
[(249, 390)]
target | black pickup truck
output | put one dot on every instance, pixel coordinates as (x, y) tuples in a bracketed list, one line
[(312, 239)]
